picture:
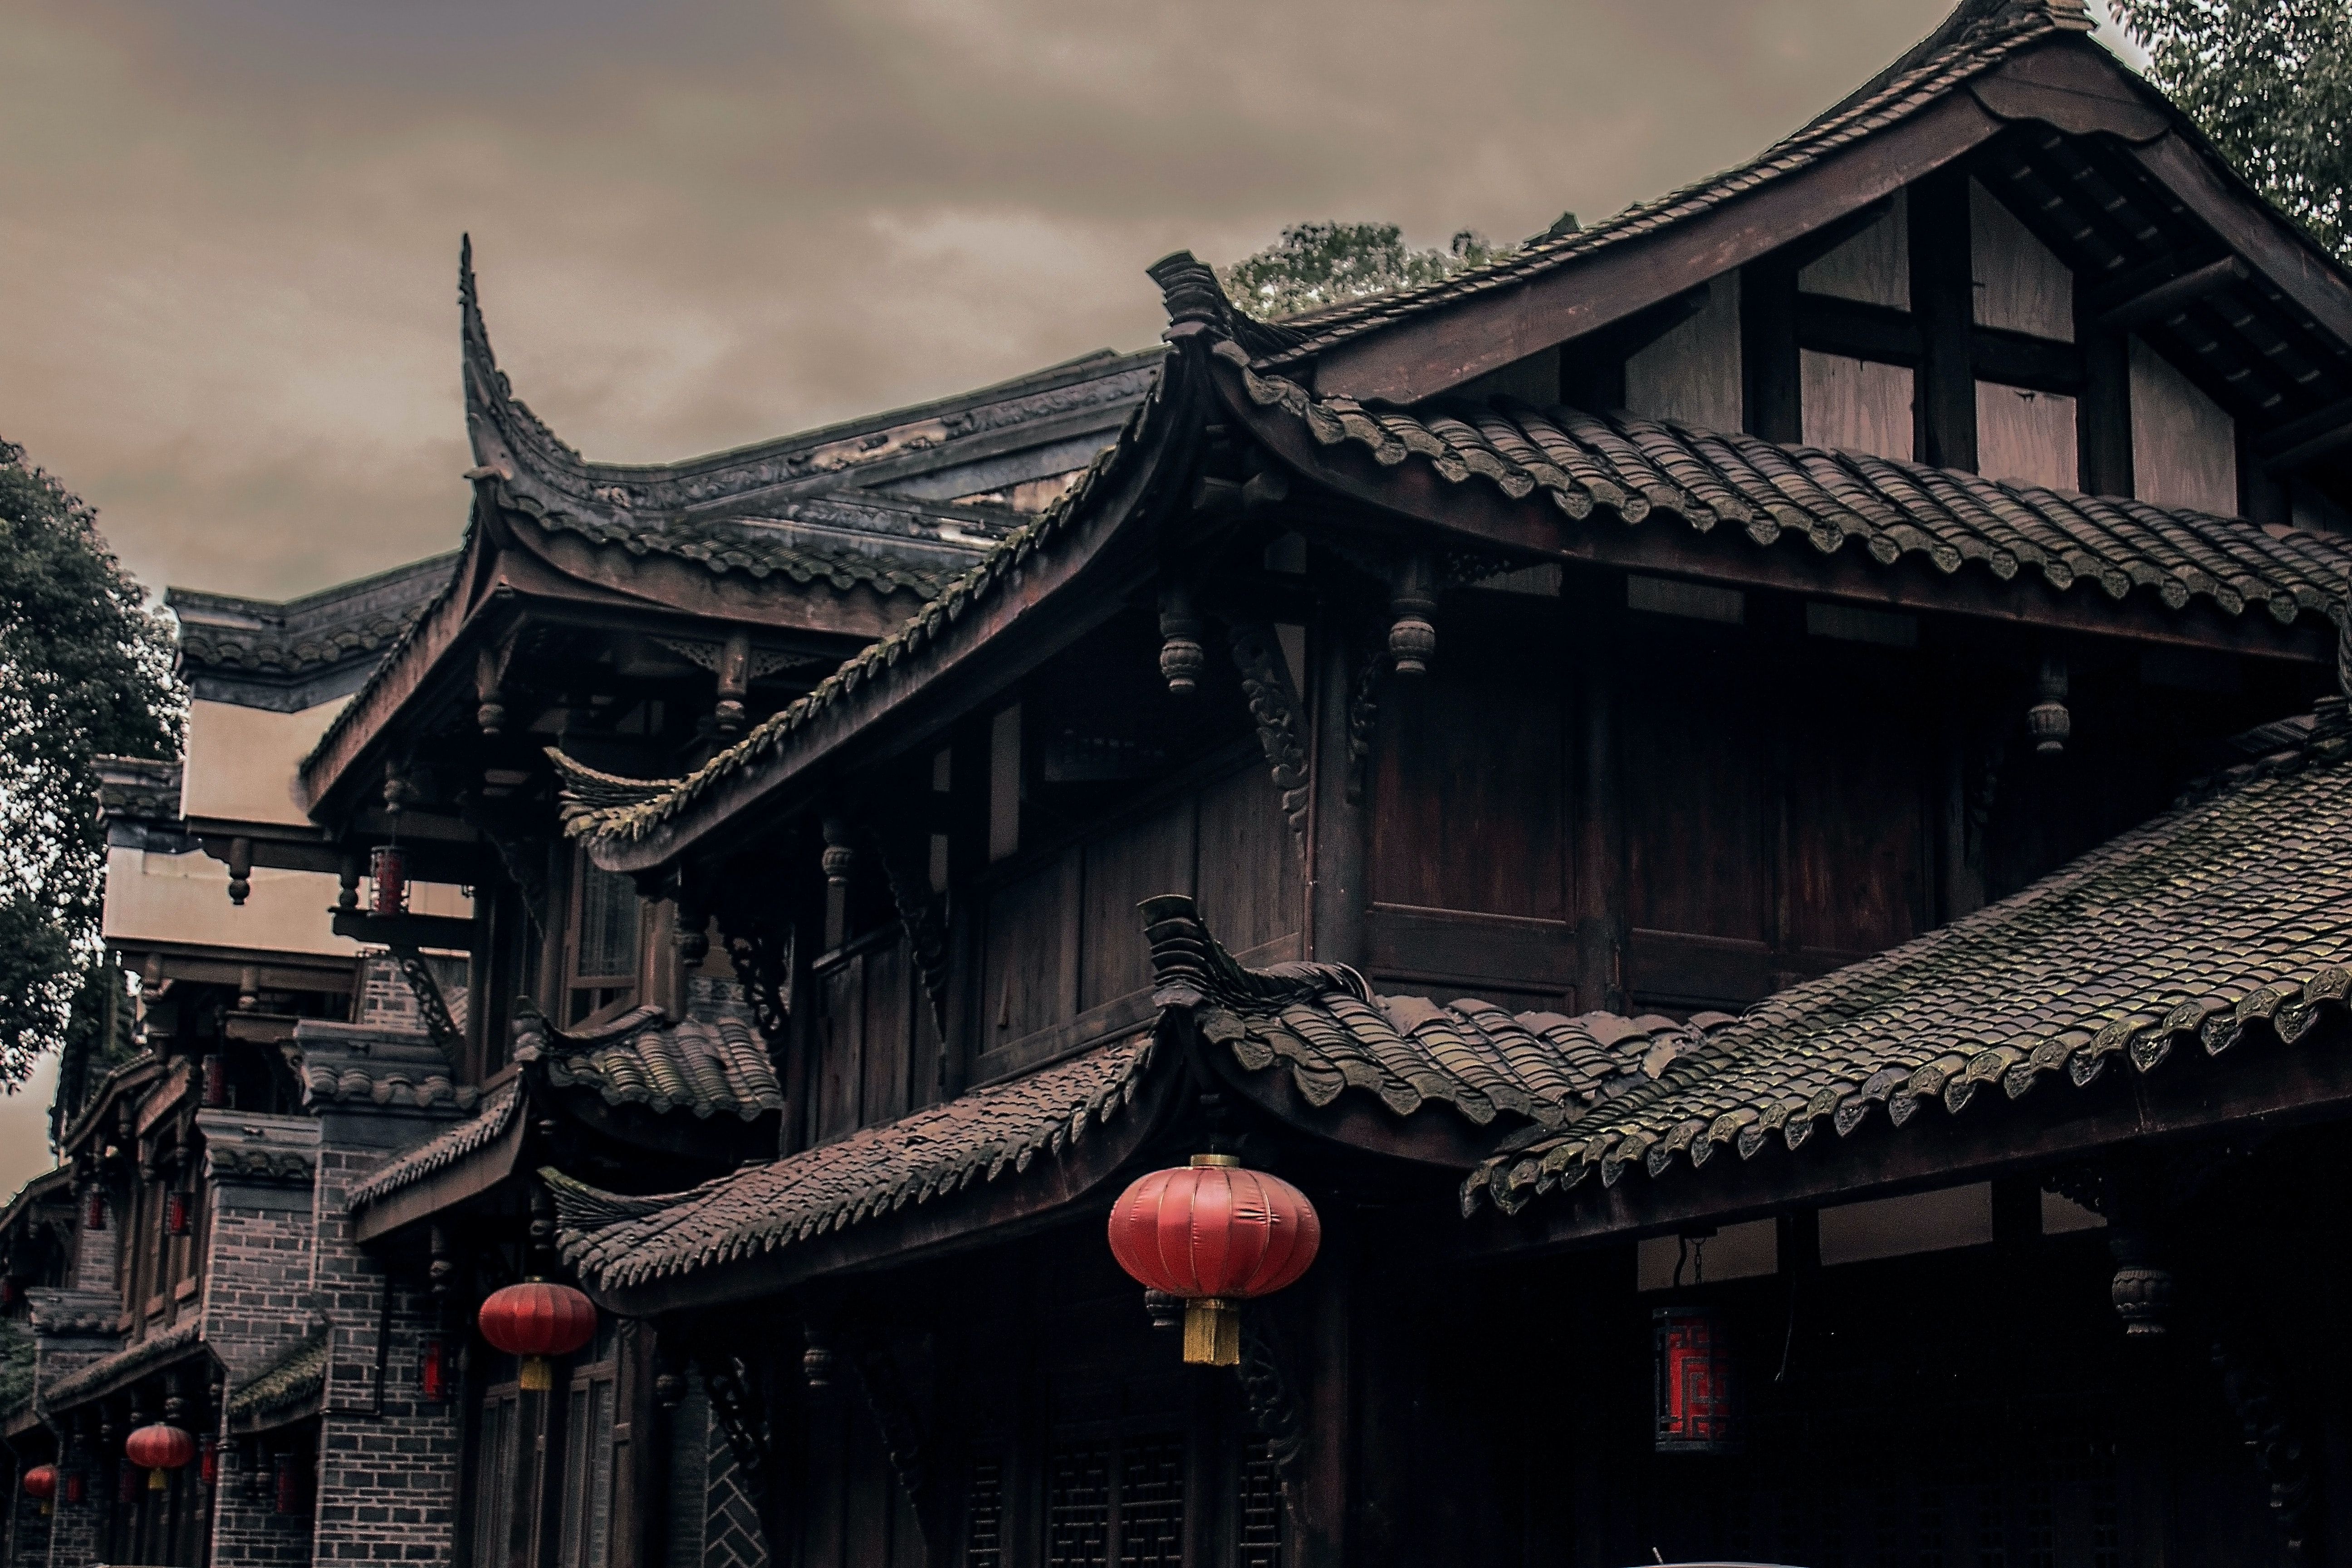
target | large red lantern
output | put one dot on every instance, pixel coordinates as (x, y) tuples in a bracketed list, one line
[(1695, 1410), (538, 1320), (157, 1449), (41, 1484), (1214, 1235)]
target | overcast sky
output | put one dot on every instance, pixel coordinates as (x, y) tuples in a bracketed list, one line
[(228, 258)]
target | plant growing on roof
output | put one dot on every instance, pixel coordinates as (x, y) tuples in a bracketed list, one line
[(1319, 264), (85, 671)]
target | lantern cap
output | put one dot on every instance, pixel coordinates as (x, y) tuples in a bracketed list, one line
[(1219, 1161)]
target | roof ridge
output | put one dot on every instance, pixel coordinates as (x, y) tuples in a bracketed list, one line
[(1973, 39)]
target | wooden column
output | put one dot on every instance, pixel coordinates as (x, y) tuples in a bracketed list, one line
[(1323, 1491), (2103, 442), (1768, 350), (1943, 300), (1593, 604), (1337, 858)]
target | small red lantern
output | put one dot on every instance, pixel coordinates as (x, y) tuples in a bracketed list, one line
[(94, 1212), (433, 1370), (1214, 1234), (216, 1082), (388, 880), (175, 1213), (207, 1461), (41, 1485), (538, 1320), (157, 1449), (74, 1486), (1695, 1391), (288, 1485)]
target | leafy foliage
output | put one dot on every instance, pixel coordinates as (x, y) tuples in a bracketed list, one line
[(2271, 82), (85, 671), (1319, 264)]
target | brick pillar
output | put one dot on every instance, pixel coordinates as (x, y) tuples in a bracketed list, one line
[(259, 1304), (388, 1459), (73, 1327)]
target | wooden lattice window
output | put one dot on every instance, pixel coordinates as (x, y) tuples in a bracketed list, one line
[(1257, 1509), (587, 1504), (1115, 1499), (983, 1544), (603, 950), (496, 1451)]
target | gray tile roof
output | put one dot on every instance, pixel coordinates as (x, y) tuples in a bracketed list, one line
[(1322, 1023), (2228, 919), (498, 1114), (711, 1066), (990, 1134), (126, 1365), (291, 654), (293, 1378), (1979, 36), (1639, 471)]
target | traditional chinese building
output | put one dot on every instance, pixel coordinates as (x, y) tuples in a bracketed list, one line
[(1748, 802)]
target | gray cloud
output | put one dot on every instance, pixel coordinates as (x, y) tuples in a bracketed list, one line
[(233, 222)]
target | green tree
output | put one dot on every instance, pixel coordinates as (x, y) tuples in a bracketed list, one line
[(2271, 82), (1319, 264), (85, 671)]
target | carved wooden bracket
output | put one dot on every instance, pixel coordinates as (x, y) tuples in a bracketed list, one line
[(1281, 719), (1413, 601), (431, 1005), (907, 868), (1271, 1392), (899, 1419), (2048, 720), (763, 957)]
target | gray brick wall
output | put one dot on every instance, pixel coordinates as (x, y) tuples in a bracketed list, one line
[(247, 1529), (388, 1459)]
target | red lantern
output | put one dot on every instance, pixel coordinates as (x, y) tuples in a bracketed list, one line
[(175, 1213), (433, 1370), (207, 1461), (537, 1320), (289, 1485), (388, 880), (1214, 1234), (215, 1082), (158, 1448), (41, 1484), (94, 1214), (73, 1486), (1695, 1392)]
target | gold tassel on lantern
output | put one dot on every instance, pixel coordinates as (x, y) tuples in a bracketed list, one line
[(1213, 1332)]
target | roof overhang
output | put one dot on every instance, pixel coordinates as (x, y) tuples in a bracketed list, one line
[(2258, 1090)]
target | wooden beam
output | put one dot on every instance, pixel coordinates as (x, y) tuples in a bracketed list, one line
[(2257, 1088), (2165, 298), (2311, 451), (1419, 359), (2103, 431), (1772, 401), (2312, 281), (2018, 359), (1830, 325), (1943, 297), (444, 931)]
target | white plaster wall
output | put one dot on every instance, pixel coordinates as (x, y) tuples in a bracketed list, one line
[(154, 897), (241, 761)]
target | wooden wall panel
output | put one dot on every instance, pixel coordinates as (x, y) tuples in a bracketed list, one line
[(2020, 285), (1856, 405), (1696, 799), (885, 1070), (840, 1064), (2029, 436), (1857, 830), (1148, 855), (1693, 374), (1249, 883), (1030, 961), (2184, 445), (1874, 267), (1471, 793)]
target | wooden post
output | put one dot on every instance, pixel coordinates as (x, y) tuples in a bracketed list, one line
[(1943, 300), (2102, 436), (1323, 1491), (1592, 599), (1335, 855), (1768, 350)]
